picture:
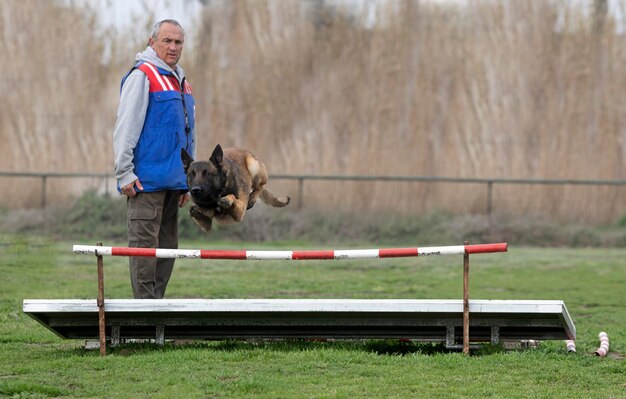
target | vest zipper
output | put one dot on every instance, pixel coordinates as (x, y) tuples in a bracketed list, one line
[(187, 128)]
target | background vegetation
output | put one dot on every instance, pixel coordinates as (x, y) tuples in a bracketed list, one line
[(528, 89), (96, 217)]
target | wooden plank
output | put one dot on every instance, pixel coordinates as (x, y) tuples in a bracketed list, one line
[(424, 320)]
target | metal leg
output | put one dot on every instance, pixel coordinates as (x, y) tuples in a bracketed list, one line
[(159, 338), (115, 336), (450, 342), (495, 335)]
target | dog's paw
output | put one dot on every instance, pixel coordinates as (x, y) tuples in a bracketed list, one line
[(196, 210), (251, 203), (225, 203), (204, 224), (201, 218)]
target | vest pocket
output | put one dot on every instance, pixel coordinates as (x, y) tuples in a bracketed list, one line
[(167, 110)]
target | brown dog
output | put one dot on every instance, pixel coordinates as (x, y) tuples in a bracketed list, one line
[(226, 185)]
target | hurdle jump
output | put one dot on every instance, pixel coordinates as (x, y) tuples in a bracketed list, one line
[(290, 255), (425, 320)]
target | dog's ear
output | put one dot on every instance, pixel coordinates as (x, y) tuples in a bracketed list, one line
[(218, 156), (186, 158)]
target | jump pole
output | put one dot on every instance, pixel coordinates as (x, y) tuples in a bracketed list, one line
[(464, 250), (290, 255)]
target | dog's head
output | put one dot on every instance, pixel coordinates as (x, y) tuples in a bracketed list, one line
[(206, 179)]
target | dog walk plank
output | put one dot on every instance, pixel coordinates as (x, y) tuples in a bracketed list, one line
[(422, 320)]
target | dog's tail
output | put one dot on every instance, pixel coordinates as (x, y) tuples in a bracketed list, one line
[(271, 199)]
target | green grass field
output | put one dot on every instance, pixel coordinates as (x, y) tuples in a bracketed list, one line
[(36, 363)]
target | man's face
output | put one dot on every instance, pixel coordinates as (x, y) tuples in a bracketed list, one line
[(169, 44)]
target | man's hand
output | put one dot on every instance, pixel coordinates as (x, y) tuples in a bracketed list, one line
[(129, 189), (184, 198)]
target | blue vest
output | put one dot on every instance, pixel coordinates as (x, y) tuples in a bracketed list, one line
[(167, 128)]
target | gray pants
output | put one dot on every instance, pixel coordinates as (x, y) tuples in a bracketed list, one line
[(152, 223)]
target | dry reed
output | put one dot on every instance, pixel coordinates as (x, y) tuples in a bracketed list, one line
[(520, 89)]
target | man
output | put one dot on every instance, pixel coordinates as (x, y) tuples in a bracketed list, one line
[(155, 119)]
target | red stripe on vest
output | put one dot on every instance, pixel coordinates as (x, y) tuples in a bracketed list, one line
[(159, 82), (156, 80), (173, 81)]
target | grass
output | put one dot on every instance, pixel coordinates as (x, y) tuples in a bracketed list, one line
[(35, 363)]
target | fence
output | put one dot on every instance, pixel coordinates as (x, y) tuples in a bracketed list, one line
[(487, 182), (44, 177)]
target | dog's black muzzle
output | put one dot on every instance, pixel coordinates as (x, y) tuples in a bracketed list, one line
[(196, 191), (202, 197)]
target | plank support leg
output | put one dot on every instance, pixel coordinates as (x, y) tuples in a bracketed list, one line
[(115, 336), (495, 335), (159, 337), (450, 341)]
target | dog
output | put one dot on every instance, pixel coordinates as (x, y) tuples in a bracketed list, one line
[(226, 186)]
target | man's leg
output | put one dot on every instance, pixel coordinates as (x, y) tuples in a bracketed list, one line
[(144, 218), (168, 238)]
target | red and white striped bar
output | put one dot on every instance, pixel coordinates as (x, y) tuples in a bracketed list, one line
[(289, 255)]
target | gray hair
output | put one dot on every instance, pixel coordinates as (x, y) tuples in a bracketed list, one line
[(157, 27)]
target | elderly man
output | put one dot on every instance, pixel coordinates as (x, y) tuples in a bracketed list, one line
[(155, 119)]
